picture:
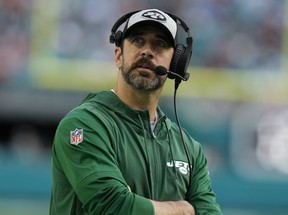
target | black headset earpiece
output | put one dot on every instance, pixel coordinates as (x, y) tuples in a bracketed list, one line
[(118, 38), (116, 35), (176, 62), (182, 53), (180, 61)]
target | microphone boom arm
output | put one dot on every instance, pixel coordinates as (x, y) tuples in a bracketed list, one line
[(161, 70)]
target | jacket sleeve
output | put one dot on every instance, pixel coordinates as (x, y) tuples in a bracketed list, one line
[(92, 170), (200, 194)]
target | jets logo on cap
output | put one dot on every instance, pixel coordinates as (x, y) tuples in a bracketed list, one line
[(153, 14)]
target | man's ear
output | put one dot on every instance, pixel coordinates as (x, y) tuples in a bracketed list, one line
[(118, 57)]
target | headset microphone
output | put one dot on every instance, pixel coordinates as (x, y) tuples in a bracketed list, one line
[(161, 70)]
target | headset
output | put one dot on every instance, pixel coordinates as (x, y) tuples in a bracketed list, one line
[(182, 53)]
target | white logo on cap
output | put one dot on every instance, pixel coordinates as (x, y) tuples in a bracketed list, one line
[(153, 14)]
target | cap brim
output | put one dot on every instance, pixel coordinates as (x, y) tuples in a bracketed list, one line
[(150, 23)]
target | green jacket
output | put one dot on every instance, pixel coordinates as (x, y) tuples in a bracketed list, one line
[(102, 148)]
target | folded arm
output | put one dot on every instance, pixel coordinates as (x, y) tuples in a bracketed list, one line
[(173, 208)]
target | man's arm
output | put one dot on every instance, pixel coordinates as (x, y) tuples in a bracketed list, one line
[(200, 194), (173, 208)]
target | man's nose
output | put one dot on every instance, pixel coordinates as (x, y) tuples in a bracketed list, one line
[(147, 51)]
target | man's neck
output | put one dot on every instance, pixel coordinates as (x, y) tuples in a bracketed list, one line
[(139, 100)]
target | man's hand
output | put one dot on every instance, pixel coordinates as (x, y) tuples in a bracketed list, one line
[(173, 208)]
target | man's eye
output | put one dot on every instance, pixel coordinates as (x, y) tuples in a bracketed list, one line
[(160, 44), (136, 40)]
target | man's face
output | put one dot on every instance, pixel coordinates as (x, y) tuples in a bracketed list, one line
[(144, 49)]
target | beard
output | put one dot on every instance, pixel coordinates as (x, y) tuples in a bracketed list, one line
[(140, 82)]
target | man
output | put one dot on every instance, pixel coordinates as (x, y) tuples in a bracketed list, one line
[(117, 152)]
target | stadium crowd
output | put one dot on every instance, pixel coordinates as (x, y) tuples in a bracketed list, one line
[(227, 33)]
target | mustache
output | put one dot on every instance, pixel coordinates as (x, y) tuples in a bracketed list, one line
[(143, 62)]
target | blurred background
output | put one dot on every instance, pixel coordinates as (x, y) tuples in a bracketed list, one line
[(52, 53)]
